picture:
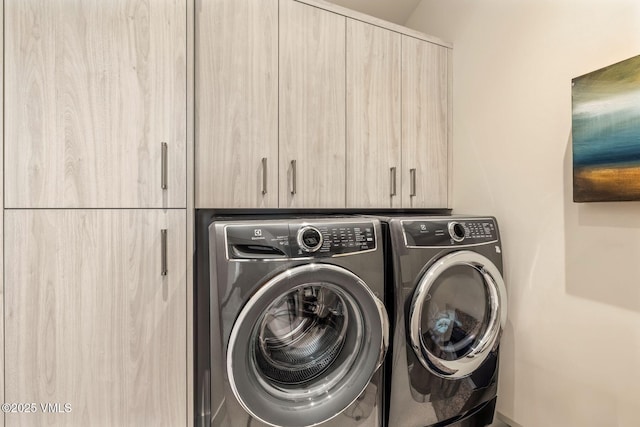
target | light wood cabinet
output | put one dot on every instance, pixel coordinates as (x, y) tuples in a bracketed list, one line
[(272, 132), (312, 107), (397, 120), (362, 117), (2, 341), (237, 104), (93, 89), (425, 124), (90, 319), (374, 167)]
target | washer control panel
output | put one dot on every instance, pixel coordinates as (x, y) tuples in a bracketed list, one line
[(299, 240), (310, 239), (449, 232), (331, 239)]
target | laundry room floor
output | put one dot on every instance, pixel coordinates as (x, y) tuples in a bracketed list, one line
[(498, 423)]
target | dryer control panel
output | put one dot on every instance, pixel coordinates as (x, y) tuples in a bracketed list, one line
[(450, 232), (299, 240)]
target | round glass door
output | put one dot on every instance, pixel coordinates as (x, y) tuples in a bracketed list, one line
[(300, 335), (306, 345), (457, 314)]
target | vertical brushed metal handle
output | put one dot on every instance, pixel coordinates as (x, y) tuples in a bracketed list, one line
[(412, 172), (264, 175), (393, 181), (163, 252), (294, 177), (163, 177)]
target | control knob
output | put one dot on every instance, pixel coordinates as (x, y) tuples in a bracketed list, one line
[(310, 239), (456, 231)]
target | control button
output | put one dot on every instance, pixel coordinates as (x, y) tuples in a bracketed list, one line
[(456, 231), (309, 239)]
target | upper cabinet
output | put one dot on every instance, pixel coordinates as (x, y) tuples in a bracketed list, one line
[(237, 104), (312, 107), (356, 110), (95, 104), (373, 116), (425, 124), (398, 118)]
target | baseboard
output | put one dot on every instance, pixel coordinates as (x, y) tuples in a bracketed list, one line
[(507, 420)]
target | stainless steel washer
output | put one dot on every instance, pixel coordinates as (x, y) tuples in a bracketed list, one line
[(449, 311), (299, 328)]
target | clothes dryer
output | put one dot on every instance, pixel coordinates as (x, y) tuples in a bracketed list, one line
[(450, 308), (298, 322)]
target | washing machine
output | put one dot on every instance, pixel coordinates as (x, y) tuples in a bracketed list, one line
[(450, 309), (298, 322)]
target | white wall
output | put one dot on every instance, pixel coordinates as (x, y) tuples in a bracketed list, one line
[(396, 11), (571, 351)]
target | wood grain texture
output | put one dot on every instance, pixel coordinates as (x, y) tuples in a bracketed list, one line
[(237, 103), (312, 106), (450, 128), (189, 255), (373, 116), (190, 205), (89, 319), (93, 89), (2, 342), (425, 98)]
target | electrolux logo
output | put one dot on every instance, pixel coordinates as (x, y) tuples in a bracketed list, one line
[(257, 234)]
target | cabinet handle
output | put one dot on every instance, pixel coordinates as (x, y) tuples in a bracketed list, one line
[(293, 176), (163, 177), (163, 252), (393, 181), (412, 172), (264, 176)]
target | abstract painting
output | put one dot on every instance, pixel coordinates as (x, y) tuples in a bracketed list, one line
[(606, 133)]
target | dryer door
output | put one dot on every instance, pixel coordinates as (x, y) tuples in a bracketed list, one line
[(457, 314), (306, 345)]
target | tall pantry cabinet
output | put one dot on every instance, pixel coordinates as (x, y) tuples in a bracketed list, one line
[(90, 319), (95, 211), (2, 371)]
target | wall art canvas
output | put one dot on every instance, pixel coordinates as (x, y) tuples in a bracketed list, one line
[(606, 133)]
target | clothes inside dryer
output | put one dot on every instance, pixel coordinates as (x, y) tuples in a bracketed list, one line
[(456, 313)]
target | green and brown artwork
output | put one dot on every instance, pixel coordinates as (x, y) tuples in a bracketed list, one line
[(606, 133)]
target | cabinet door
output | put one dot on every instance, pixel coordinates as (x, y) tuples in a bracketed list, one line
[(93, 89), (312, 107), (237, 104), (91, 321), (2, 341), (373, 116), (425, 111)]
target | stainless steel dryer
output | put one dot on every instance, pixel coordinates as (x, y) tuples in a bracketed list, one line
[(299, 328), (450, 309)]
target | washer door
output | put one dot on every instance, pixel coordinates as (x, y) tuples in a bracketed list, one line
[(457, 314), (306, 345)]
